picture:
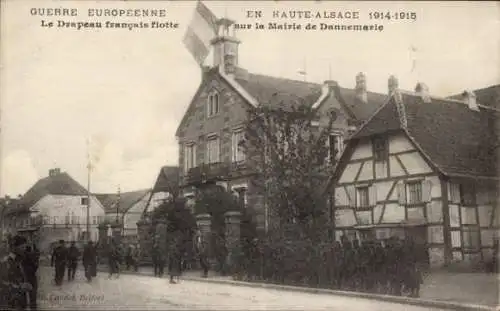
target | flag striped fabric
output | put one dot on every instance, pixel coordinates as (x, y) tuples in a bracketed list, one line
[(201, 30)]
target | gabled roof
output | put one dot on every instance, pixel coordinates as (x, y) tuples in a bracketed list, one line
[(126, 200), (488, 96), (167, 178), (57, 184), (281, 91), (459, 141), (265, 88)]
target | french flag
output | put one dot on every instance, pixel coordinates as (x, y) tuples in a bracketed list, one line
[(201, 30)]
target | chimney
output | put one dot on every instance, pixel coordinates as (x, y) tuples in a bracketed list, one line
[(54, 172), (469, 97), (423, 91), (392, 84), (204, 71), (361, 87)]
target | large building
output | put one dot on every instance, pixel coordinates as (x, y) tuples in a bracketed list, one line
[(425, 167), (211, 130), (58, 205)]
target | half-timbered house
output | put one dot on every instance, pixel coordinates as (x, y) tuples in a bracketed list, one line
[(426, 168)]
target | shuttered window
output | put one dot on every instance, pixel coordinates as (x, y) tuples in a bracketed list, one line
[(238, 154), (414, 192), (363, 197), (213, 150)]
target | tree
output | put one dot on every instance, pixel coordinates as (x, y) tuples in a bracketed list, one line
[(289, 153)]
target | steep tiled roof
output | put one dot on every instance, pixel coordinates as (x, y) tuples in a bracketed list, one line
[(488, 96), (57, 184), (276, 91), (458, 140), (167, 178), (126, 199)]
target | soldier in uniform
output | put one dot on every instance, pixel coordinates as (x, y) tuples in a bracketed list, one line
[(114, 259), (59, 260), (73, 256), (378, 263), (14, 285), (89, 260), (30, 264), (202, 250)]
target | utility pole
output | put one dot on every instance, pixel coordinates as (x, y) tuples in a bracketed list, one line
[(89, 169)]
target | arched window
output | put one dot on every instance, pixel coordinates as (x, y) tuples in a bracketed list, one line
[(213, 104)]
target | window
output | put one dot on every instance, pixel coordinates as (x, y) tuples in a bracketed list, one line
[(213, 104), (467, 194), (55, 220), (380, 150), (414, 190), (213, 150), (241, 196), (363, 195), (74, 220), (84, 201), (94, 220), (66, 219), (238, 154), (189, 156), (471, 238), (335, 145)]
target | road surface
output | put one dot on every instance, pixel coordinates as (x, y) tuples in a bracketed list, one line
[(135, 292)]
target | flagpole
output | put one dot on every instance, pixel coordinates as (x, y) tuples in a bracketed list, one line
[(89, 167)]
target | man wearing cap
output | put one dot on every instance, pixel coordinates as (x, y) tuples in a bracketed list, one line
[(13, 282), (59, 258)]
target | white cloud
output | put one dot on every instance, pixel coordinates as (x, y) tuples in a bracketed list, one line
[(18, 173)]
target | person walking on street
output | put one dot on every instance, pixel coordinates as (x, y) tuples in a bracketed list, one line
[(174, 265), (59, 261), (14, 285), (73, 256), (30, 265), (114, 260), (90, 261)]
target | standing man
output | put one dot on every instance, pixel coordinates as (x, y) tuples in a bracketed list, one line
[(73, 256), (59, 260), (89, 260), (30, 265), (13, 281)]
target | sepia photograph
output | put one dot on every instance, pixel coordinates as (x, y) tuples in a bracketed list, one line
[(249, 155)]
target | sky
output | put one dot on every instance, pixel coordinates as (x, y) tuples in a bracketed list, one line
[(128, 90)]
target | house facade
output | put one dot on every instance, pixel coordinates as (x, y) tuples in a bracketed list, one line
[(426, 168), (212, 128), (125, 208), (59, 206)]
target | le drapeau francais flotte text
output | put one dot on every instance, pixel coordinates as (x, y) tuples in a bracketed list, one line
[(55, 18)]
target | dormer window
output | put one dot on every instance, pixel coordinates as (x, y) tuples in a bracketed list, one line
[(213, 104)]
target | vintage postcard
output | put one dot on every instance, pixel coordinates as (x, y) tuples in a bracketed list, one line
[(249, 155)]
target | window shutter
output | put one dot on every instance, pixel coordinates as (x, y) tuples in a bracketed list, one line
[(402, 193), (373, 195), (426, 191), (351, 193)]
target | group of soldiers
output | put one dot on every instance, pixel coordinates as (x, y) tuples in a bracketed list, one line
[(393, 266), (66, 259), (18, 275)]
